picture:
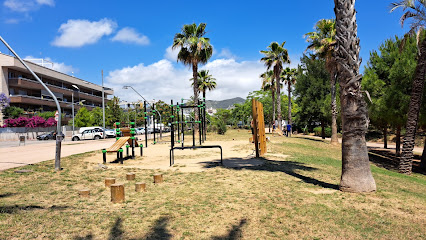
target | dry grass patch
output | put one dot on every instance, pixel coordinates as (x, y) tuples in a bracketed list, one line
[(292, 196)]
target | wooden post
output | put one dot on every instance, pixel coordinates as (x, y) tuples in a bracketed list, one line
[(84, 192), (140, 187), (158, 178), (130, 176), (117, 193), (109, 182)]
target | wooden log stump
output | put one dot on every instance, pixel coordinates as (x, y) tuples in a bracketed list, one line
[(140, 187), (130, 176), (158, 178), (109, 182), (117, 193), (84, 192)]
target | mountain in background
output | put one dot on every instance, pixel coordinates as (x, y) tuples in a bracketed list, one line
[(224, 104)]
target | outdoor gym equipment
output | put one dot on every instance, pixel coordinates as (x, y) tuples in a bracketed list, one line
[(128, 137), (180, 122)]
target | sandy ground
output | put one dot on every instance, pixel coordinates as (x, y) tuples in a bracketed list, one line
[(236, 154)]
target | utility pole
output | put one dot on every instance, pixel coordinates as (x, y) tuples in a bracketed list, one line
[(103, 102)]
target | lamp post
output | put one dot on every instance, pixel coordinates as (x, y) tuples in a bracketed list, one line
[(161, 130), (72, 104), (59, 135)]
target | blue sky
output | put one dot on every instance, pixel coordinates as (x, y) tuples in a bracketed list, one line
[(130, 40)]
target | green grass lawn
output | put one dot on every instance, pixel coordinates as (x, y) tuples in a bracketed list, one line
[(291, 198)]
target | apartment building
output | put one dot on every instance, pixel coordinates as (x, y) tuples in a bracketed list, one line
[(27, 93)]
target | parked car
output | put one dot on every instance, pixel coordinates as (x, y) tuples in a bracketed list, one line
[(140, 130), (109, 133), (47, 136), (88, 135)]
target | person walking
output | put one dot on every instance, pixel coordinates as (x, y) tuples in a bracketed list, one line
[(288, 130)]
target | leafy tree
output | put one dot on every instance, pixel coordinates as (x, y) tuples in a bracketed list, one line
[(415, 12), (164, 110), (275, 57), (356, 172), (388, 77), (97, 116), (288, 77), (83, 118), (323, 42), (268, 83), (12, 112), (194, 49), (311, 90), (113, 112)]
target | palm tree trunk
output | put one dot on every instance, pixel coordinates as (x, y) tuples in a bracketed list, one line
[(273, 105), (205, 124), (398, 142), (406, 160), (195, 77), (334, 139), (289, 104), (423, 161), (385, 137), (277, 82), (356, 172)]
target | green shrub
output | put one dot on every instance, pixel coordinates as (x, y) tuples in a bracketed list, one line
[(327, 131), (221, 127)]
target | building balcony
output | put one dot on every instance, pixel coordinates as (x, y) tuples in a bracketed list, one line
[(33, 84), (31, 100)]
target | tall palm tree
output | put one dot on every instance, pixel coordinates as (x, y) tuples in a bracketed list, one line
[(194, 49), (289, 77), (323, 42), (268, 83), (275, 57), (414, 10), (205, 82), (356, 172)]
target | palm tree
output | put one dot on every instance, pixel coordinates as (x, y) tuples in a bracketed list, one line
[(289, 77), (275, 57), (356, 172), (414, 10), (205, 82), (194, 49), (323, 42), (268, 83)]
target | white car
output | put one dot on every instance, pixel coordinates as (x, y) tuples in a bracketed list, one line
[(109, 133), (140, 130), (88, 135)]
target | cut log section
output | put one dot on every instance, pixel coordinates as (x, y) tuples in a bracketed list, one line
[(130, 176), (158, 178), (109, 182), (84, 192), (140, 187), (117, 193)]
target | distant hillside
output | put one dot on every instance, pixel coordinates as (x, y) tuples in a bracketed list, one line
[(224, 104)]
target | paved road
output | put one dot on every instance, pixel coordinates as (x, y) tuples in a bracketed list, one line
[(12, 155)]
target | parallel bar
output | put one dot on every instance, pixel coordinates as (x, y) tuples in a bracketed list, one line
[(146, 130)]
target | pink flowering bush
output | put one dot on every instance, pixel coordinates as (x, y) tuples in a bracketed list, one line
[(33, 122)]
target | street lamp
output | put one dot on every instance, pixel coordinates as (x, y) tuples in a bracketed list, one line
[(72, 100), (161, 130)]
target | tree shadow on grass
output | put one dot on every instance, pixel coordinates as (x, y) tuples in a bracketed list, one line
[(3, 195), (386, 158), (234, 233), (313, 139), (287, 167), (15, 208), (159, 231)]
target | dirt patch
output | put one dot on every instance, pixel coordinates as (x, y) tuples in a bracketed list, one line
[(235, 154)]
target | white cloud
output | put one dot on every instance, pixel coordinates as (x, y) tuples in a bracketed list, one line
[(171, 54), (57, 66), (129, 35), (226, 53), (27, 5), (78, 32)]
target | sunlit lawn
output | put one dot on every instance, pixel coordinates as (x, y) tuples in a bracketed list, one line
[(287, 198)]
